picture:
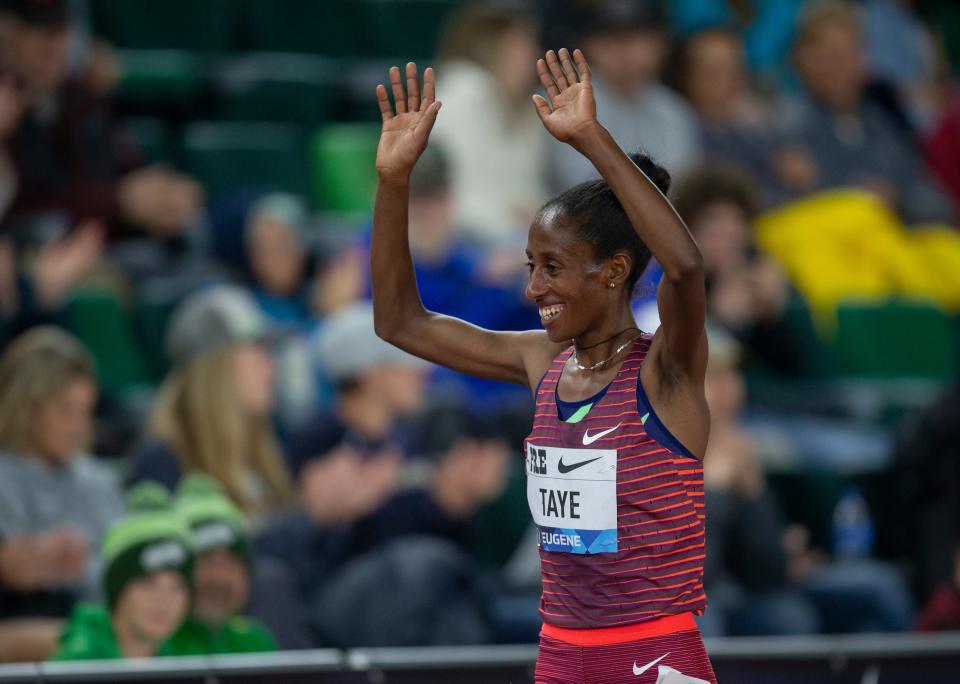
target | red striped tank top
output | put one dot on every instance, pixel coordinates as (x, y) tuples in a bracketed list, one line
[(620, 517)]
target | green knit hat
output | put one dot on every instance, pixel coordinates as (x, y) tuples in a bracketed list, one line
[(151, 537), (214, 521)]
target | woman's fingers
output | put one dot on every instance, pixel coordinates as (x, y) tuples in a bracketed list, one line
[(413, 88), (543, 109), (556, 71), (386, 111), (546, 80), (582, 65), (569, 71), (398, 95), (429, 88)]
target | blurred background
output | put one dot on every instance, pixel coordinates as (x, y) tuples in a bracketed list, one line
[(185, 198)]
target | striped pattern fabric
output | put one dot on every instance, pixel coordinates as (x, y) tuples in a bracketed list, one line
[(658, 567), (637, 662)]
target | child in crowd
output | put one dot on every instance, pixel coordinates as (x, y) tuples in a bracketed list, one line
[(221, 575), (147, 563)]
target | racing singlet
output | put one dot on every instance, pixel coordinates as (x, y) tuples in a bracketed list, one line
[(620, 516)]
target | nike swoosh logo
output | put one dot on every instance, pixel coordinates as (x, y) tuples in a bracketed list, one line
[(589, 439), (640, 670), (564, 468)]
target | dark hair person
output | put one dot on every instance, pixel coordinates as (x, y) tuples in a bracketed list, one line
[(614, 476)]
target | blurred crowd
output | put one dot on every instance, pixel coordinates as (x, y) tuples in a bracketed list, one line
[(275, 476)]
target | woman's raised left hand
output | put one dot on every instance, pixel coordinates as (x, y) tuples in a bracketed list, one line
[(571, 112)]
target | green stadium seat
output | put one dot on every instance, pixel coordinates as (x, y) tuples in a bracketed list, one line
[(150, 75), (896, 338), (233, 155), (409, 29), (279, 87), (343, 165), (205, 26), (97, 317), (323, 27), (152, 137)]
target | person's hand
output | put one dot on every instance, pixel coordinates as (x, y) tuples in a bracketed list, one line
[(160, 201), (43, 560), (470, 475), (572, 110), (344, 486), (62, 262), (405, 132)]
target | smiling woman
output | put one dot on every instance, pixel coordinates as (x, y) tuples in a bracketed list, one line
[(618, 504)]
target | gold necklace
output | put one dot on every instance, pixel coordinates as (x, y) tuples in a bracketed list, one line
[(576, 361)]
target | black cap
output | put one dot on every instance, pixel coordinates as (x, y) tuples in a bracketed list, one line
[(439, 428), (620, 15), (49, 13)]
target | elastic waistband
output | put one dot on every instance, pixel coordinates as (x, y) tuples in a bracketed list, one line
[(604, 636)]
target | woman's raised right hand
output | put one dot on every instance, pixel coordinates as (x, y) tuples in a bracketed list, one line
[(406, 124)]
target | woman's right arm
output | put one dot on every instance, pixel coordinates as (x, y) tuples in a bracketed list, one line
[(399, 315)]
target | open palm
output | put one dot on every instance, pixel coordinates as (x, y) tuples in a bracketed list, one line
[(572, 108), (405, 131)]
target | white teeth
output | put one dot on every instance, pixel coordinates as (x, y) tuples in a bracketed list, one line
[(548, 312)]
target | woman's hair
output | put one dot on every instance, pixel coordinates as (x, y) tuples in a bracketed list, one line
[(33, 369), (474, 32), (198, 411), (717, 184), (599, 219)]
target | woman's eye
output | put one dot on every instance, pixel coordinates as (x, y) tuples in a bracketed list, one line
[(530, 266), (551, 268)]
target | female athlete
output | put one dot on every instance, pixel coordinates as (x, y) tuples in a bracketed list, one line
[(614, 478)]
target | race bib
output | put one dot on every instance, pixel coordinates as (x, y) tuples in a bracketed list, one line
[(572, 494)]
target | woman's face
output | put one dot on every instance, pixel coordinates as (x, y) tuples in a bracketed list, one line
[(63, 423), (567, 284), (722, 231), (515, 67), (253, 376), (153, 606)]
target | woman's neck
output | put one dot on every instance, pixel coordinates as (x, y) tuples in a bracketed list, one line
[(604, 342)]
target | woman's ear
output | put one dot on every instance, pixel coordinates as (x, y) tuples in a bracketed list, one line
[(618, 270)]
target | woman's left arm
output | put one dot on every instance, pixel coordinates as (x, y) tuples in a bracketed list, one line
[(572, 118)]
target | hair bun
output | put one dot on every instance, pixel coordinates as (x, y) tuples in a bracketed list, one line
[(658, 175)]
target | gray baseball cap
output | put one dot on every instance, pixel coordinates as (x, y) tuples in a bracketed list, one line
[(348, 345), (215, 317)]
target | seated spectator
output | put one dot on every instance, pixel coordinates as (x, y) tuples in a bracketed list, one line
[(147, 563), (747, 292), (55, 501), (942, 611), (853, 141), (746, 574), (942, 150), (735, 126), (213, 411), (68, 152), (284, 288), (626, 42), (221, 575), (489, 129)]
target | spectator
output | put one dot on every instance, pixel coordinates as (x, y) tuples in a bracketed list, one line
[(942, 612), (280, 265), (147, 561), (626, 42), (746, 573), (853, 141), (747, 292), (736, 127), (67, 150), (55, 501), (213, 411), (221, 575), (489, 128)]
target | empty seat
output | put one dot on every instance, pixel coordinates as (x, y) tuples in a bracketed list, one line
[(198, 25), (343, 160)]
